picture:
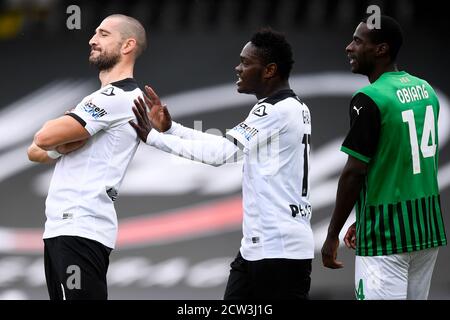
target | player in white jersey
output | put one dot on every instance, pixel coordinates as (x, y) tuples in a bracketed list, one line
[(92, 146), (274, 260)]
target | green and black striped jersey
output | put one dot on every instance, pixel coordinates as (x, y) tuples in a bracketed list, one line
[(394, 128)]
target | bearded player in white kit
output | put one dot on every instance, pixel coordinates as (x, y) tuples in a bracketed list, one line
[(92, 146)]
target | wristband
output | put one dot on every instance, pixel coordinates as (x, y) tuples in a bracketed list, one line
[(54, 154)]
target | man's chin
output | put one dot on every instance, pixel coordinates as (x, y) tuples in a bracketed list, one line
[(355, 70), (241, 89), (93, 59)]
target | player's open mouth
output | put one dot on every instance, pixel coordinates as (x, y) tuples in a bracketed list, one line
[(239, 80)]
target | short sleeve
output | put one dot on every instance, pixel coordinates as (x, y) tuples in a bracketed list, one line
[(365, 122), (99, 112), (262, 123)]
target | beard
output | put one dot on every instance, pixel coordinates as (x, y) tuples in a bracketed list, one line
[(105, 61)]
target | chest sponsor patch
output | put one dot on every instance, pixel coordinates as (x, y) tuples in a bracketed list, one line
[(245, 130)]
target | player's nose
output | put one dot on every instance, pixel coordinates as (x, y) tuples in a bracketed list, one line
[(349, 47), (93, 40)]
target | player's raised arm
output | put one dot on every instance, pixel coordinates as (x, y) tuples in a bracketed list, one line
[(159, 115), (143, 126), (214, 151)]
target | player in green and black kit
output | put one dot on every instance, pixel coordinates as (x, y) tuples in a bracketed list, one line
[(391, 173)]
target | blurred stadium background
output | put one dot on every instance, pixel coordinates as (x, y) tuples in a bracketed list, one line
[(179, 222)]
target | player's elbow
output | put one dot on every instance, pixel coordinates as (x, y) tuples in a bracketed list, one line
[(216, 164), (30, 154), (217, 161), (33, 154), (353, 176), (43, 140), (355, 169)]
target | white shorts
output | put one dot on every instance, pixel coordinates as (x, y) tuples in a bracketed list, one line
[(395, 277)]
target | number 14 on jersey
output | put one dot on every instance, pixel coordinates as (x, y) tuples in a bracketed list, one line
[(427, 132)]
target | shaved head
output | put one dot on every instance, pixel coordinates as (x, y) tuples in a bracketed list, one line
[(131, 28)]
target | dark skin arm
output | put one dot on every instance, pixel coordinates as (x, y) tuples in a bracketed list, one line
[(143, 125), (349, 187)]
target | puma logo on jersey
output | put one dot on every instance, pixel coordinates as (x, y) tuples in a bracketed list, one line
[(108, 92), (357, 109), (260, 111)]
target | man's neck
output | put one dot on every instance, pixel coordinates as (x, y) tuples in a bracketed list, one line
[(380, 70), (118, 72), (271, 89)]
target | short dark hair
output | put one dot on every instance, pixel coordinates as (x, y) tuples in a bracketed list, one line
[(132, 28), (389, 32), (273, 48)]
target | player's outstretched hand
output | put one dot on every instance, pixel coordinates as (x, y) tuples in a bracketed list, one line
[(159, 115), (143, 126), (350, 237), (329, 253)]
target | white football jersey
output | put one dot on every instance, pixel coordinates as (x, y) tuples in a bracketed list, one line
[(86, 182), (275, 139)]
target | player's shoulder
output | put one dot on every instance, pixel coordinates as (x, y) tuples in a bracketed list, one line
[(118, 93), (423, 83), (282, 97), (366, 91), (121, 89), (278, 103), (125, 85), (362, 99)]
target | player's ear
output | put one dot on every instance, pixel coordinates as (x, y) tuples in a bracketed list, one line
[(129, 45), (270, 70), (382, 49)]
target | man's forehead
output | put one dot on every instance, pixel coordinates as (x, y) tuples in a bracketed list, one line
[(361, 30), (109, 24), (249, 50)]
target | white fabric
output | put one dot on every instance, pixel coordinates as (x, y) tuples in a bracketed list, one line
[(273, 181), (404, 276), (78, 202), (271, 140), (53, 154), (201, 147), (190, 134)]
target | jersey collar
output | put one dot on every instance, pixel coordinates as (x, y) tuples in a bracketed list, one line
[(278, 96)]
